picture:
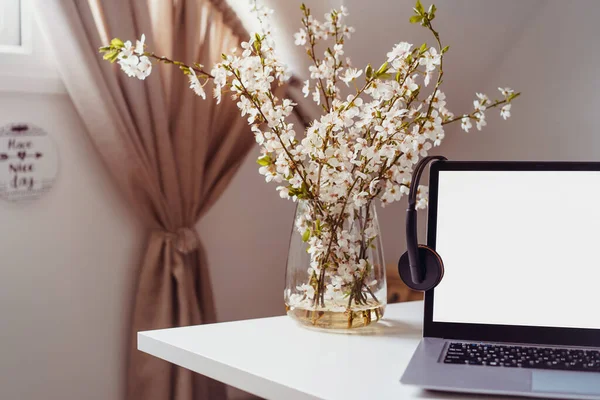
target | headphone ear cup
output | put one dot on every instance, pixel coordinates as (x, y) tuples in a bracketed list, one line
[(433, 265)]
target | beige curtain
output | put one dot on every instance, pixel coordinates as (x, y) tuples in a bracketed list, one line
[(171, 153)]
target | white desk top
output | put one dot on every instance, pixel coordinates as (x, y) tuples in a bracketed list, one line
[(276, 359)]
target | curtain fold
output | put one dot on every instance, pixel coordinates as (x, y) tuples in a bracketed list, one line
[(171, 153)]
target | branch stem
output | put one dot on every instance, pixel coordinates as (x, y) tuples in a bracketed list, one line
[(178, 63), (472, 115)]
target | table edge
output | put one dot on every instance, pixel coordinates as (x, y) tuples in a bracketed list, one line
[(241, 379)]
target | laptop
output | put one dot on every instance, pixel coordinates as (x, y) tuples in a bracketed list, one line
[(518, 309)]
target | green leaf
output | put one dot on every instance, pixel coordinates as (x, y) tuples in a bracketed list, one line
[(111, 55), (512, 96), (431, 12), (369, 72), (264, 160), (415, 19), (423, 47), (382, 70), (419, 8), (301, 192), (306, 236), (116, 42), (445, 49)]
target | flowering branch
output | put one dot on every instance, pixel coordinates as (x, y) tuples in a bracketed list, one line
[(311, 52), (496, 103), (196, 67), (361, 149)]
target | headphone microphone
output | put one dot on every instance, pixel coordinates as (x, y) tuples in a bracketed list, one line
[(421, 268)]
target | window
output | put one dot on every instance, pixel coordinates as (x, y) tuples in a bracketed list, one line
[(15, 26), (26, 59)]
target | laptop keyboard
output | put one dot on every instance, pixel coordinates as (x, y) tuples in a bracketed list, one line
[(497, 355)]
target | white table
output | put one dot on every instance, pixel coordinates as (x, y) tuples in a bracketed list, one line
[(277, 359)]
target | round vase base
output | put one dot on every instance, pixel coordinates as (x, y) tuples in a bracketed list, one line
[(337, 320)]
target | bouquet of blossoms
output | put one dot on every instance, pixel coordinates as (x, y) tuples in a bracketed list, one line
[(376, 124)]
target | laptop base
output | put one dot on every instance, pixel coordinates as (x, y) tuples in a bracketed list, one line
[(427, 371)]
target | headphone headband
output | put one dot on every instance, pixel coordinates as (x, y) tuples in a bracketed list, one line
[(418, 271), (416, 177)]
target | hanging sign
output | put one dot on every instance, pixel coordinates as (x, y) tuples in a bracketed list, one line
[(28, 162)]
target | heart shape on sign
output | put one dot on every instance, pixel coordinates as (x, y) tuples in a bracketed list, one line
[(22, 155)]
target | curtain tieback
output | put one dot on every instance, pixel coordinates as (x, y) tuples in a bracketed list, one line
[(185, 240)]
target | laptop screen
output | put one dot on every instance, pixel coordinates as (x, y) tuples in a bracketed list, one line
[(519, 248)]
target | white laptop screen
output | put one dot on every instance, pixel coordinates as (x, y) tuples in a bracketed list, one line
[(519, 248)]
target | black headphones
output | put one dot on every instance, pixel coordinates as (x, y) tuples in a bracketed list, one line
[(421, 268)]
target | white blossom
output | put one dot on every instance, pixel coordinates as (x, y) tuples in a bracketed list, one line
[(300, 37), (284, 193), (431, 59), (373, 186), (506, 91), (308, 290), (134, 66), (399, 52), (306, 88), (348, 31), (129, 65), (195, 84), (338, 50), (127, 51), (422, 196), (479, 107), (144, 68), (316, 96), (505, 111), (351, 74), (295, 299), (482, 102), (480, 120), (466, 123), (139, 45)]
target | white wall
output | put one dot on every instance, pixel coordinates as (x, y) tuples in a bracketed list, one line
[(67, 259), (66, 269), (554, 63)]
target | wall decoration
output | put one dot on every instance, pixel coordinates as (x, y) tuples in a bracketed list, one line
[(28, 162)]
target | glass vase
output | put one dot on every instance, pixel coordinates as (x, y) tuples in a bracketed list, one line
[(335, 276)]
